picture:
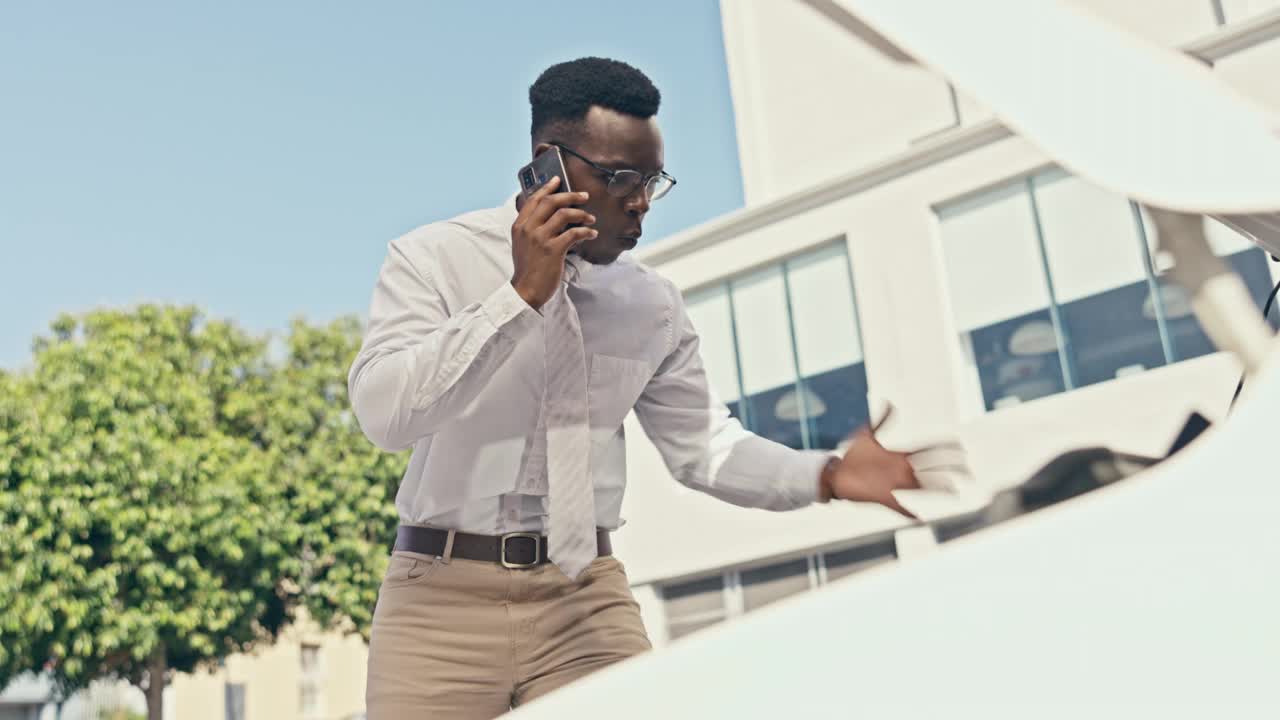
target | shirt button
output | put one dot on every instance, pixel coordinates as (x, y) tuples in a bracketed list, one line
[(511, 514)]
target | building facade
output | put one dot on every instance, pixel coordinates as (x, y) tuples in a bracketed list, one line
[(898, 241)]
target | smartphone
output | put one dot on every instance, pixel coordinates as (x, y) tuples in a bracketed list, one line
[(544, 167), (537, 173)]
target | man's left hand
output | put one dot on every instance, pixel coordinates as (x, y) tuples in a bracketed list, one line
[(869, 472)]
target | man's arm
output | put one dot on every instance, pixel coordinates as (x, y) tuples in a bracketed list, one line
[(418, 365), (708, 450)]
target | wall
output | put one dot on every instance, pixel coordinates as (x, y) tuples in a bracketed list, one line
[(272, 679), (811, 104)]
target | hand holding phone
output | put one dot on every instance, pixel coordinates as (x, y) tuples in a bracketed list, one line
[(541, 237)]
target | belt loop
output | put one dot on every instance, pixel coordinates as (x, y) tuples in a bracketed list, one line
[(448, 547)]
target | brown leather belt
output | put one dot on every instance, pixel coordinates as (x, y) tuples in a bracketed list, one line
[(518, 550)]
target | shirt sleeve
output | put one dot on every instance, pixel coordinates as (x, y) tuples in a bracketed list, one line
[(707, 449), (419, 366)]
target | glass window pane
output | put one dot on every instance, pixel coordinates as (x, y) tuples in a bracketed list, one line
[(1090, 238), (1113, 334), (693, 599), (1017, 360), (763, 334), (1224, 240), (1252, 266), (834, 379), (999, 296), (836, 405), (859, 557), (309, 683), (775, 582), (992, 258), (768, 365), (1160, 261), (1185, 333), (826, 324), (1096, 261), (234, 701), (709, 312), (679, 630), (693, 605)]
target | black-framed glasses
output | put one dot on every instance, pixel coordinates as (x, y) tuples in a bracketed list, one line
[(624, 182)]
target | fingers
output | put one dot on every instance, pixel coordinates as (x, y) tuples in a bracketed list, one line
[(908, 481), (528, 202), (545, 202), (863, 434), (546, 188), (567, 216), (945, 467), (946, 447), (888, 413), (892, 503), (868, 432), (567, 239)]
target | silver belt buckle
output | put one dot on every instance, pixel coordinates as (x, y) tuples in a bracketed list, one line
[(537, 550)]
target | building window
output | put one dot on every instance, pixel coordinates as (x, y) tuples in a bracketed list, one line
[(842, 563), (1054, 286), (310, 683), (233, 701), (765, 357), (712, 315), (832, 388), (762, 586), (694, 605), (783, 349)]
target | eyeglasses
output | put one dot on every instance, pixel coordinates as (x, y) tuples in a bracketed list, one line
[(624, 182)]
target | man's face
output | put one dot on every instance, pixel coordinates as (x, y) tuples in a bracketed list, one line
[(615, 141)]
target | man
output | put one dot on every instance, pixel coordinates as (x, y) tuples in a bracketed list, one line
[(506, 347)]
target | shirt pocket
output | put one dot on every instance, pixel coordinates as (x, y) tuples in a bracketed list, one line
[(612, 390)]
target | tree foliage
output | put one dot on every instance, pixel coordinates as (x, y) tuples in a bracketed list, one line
[(171, 494)]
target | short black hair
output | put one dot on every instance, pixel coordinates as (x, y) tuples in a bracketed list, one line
[(563, 93)]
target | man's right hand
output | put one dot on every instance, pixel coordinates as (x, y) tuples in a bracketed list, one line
[(539, 240)]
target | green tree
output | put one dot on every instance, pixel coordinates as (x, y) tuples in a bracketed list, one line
[(338, 485), (169, 495)]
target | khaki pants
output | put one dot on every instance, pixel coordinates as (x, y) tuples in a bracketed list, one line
[(468, 639)]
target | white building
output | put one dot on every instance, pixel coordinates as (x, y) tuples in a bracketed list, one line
[(897, 239)]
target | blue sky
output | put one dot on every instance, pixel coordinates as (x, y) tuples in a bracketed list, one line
[(255, 158)]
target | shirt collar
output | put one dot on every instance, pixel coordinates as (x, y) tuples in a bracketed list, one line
[(577, 269), (507, 213)]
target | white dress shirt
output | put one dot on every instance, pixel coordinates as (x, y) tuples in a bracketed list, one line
[(452, 365)]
